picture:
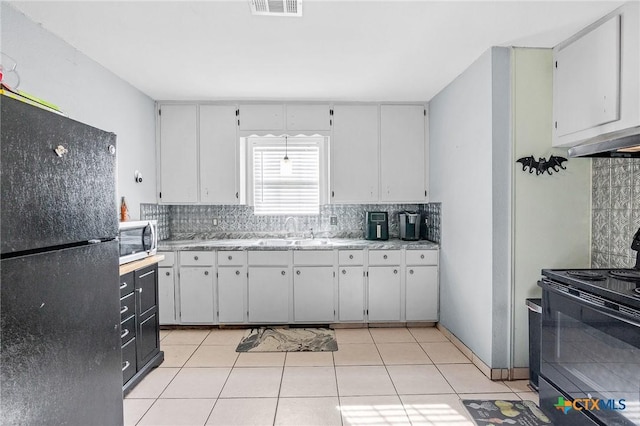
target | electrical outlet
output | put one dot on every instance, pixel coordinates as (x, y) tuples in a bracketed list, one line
[(215, 221), (334, 220)]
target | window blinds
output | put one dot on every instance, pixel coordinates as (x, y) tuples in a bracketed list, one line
[(294, 194)]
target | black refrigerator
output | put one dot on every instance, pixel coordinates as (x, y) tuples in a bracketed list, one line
[(60, 354)]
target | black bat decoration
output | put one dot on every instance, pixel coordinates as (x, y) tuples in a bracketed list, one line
[(542, 165)]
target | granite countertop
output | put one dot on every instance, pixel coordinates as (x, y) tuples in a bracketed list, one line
[(292, 244)]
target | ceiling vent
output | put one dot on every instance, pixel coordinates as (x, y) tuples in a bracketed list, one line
[(276, 7)]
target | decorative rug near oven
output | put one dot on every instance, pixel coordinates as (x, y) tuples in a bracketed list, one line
[(266, 339), (499, 412)]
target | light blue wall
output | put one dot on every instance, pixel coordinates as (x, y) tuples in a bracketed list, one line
[(461, 175), (55, 71)]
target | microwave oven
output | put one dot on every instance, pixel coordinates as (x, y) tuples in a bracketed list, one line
[(137, 239)]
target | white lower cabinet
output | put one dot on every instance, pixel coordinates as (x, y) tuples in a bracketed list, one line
[(313, 294), (384, 293), (422, 293), (351, 293), (166, 290), (268, 294), (232, 288), (196, 294), (166, 296)]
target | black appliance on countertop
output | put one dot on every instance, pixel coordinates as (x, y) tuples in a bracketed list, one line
[(376, 226), (60, 359), (590, 354), (409, 223)]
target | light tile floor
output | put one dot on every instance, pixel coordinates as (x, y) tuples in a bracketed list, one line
[(378, 376)]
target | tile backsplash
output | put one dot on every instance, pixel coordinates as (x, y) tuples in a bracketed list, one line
[(189, 221), (615, 211)]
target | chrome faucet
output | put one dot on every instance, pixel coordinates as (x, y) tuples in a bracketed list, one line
[(311, 232), (293, 220)]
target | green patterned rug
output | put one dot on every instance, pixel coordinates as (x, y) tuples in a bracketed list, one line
[(499, 412)]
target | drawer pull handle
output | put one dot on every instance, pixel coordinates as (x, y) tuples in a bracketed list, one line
[(384, 257), (124, 309), (147, 274), (350, 256), (230, 257), (123, 286), (344, 271), (237, 272), (195, 257), (124, 333), (422, 256), (283, 272), (206, 272), (127, 364), (168, 273), (411, 271), (395, 271), (297, 272)]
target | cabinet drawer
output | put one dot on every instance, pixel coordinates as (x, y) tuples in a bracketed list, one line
[(232, 258), (126, 284), (268, 258), (384, 257), (129, 365), (313, 257), (197, 258), (127, 306), (169, 258), (351, 257), (128, 330), (422, 257)]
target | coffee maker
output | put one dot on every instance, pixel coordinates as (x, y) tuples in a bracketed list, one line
[(376, 226), (410, 226)]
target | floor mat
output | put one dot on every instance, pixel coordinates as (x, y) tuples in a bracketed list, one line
[(499, 412), (266, 339)]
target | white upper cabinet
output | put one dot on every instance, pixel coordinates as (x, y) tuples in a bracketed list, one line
[(596, 88), (355, 150), (262, 117), (308, 117), (218, 155), (178, 154), (402, 153)]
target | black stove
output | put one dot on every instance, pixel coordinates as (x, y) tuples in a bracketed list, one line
[(618, 285)]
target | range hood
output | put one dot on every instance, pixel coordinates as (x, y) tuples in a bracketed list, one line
[(622, 144)]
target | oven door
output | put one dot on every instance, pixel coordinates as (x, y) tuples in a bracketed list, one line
[(589, 352)]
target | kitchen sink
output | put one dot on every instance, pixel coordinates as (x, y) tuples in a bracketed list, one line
[(291, 242)]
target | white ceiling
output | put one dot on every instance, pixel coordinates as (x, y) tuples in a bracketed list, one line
[(338, 50)]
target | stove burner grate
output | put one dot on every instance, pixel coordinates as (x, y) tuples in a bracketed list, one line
[(626, 274), (586, 275)]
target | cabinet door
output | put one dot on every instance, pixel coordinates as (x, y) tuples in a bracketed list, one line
[(178, 154), (166, 296), (232, 288), (587, 80), (308, 117), (313, 293), (261, 117), (421, 293), (196, 295), (147, 338), (354, 163), (402, 153), (218, 154), (268, 294), (384, 293), (145, 285), (351, 293)]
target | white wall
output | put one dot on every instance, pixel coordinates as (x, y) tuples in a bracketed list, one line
[(552, 214), (461, 167), (53, 70)]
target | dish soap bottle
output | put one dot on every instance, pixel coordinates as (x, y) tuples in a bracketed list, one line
[(124, 211)]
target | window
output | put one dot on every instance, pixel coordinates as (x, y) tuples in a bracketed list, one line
[(296, 193)]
